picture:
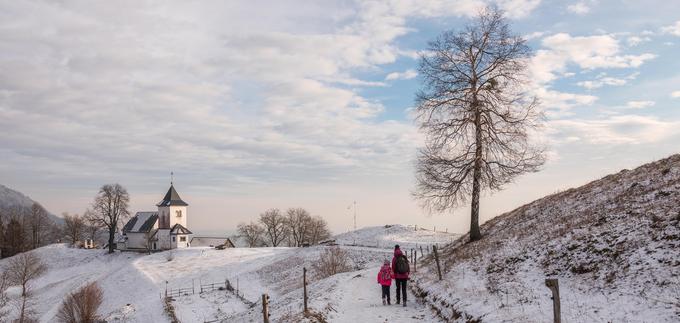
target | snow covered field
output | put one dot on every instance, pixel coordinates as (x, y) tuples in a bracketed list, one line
[(389, 235), (134, 284)]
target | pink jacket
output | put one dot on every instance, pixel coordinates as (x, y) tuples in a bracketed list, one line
[(385, 275), (397, 252)]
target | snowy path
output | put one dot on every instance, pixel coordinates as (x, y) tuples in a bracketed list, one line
[(361, 302)]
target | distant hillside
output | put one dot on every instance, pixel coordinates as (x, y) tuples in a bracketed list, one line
[(11, 200), (614, 245), (386, 236)]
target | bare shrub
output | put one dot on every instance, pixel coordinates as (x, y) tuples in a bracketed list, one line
[(82, 306), (332, 261), (22, 269)]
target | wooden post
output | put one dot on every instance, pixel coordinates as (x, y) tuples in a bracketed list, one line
[(436, 258), (304, 284), (415, 261), (193, 289), (421, 251), (265, 308), (554, 286)]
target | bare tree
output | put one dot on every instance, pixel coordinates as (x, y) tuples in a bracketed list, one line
[(318, 230), (82, 306), (111, 207), (274, 224), (476, 115), (37, 225), (252, 233), (14, 238), (298, 222), (4, 284), (22, 269), (74, 225)]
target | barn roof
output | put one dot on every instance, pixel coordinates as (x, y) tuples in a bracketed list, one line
[(172, 198), (141, 222)]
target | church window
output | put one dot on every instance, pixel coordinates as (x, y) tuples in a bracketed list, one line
[(182, 239), (179, 213), (173, 239)]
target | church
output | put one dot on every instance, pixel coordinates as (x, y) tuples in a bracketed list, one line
[(164, 229)]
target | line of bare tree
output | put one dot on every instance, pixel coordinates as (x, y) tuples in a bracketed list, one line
[(295, 228), (23, 229)]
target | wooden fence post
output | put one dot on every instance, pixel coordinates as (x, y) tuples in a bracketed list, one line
[(265, 308), (554, 286), (415, 260), (421, 251), (436, 258), (304, 284)]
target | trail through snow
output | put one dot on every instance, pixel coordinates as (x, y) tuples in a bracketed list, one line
[(361, 302)]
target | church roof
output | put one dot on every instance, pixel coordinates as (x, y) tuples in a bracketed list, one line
[(141, 222), (179, 229), (172, 198)]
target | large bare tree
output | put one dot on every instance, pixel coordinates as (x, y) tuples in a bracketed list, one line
[(274, 224), (476, 114), (111, 207)]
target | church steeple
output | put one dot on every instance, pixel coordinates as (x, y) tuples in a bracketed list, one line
[(172, 198)]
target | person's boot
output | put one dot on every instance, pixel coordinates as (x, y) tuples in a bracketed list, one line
[(404, 303), (384, 302)]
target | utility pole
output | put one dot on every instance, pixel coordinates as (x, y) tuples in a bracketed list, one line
[(355, 215)]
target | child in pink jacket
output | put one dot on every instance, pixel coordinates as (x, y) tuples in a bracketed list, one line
[(385, 280)]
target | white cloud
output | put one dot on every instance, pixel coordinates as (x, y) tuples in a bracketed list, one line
[(620, 129), (673, 29), (636, 40), (640, 104), (579, 8), (603, 80), (406, 75), (675, 94)]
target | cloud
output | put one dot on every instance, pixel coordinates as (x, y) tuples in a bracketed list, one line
[(579, 8), (640, 104), (673, 29), (603, 80), (406, 75), (675, 94), (615, 130), (636, 40)]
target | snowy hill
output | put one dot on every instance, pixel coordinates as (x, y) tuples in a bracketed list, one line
[(614, 245), (389, 235), (134, 285)]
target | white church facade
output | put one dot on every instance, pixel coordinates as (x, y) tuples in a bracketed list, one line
[(160, 230)]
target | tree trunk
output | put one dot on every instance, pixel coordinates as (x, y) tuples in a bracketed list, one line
[(475, 234), (112, 234)]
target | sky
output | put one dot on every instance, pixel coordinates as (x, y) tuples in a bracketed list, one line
[(276, 104)]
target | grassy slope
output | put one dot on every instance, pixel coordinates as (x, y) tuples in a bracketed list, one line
[(613, 243)]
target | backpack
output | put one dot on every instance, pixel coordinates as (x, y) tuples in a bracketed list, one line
[(401, 265), (385, 274)]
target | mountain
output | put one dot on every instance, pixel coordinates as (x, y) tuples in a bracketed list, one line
[(614, 245), (11, 200)]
